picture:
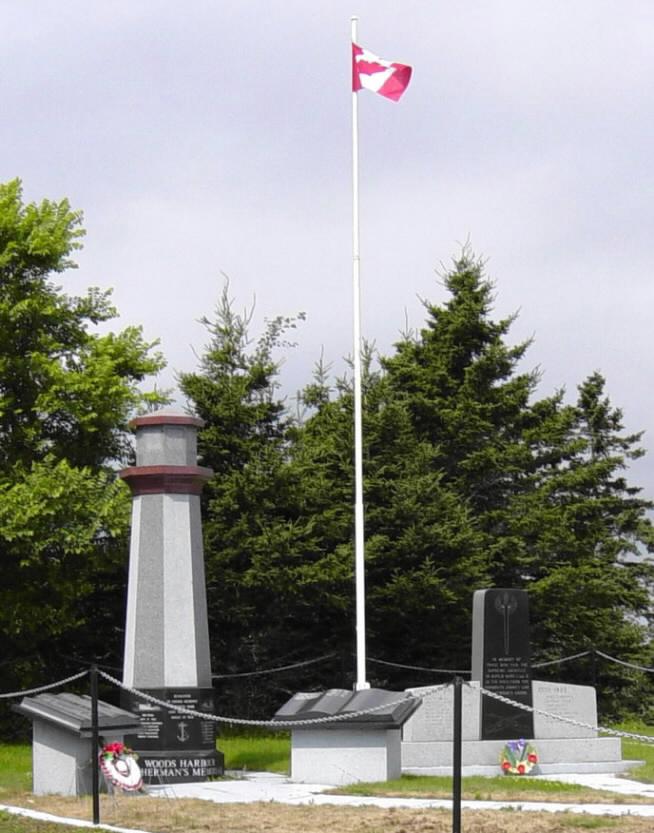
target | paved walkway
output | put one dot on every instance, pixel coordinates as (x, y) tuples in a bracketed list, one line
[(267, 786)]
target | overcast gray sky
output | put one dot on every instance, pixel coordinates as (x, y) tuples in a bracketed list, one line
[(214, 137)]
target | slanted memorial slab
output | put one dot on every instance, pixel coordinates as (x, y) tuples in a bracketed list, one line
[(62, 753), (363, 747)]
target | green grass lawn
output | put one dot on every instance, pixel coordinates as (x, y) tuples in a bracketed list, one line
[(15, 768), (257, 752), (16, 824), (474, 788), (633, 750)]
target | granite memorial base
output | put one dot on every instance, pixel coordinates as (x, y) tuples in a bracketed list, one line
[(561, 747), (62, 754), (364, 748), (174, 747), (345, 756)]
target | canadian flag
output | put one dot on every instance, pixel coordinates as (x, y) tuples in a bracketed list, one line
[(369, 72)]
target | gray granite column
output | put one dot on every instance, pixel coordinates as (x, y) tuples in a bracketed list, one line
[(167, 632)]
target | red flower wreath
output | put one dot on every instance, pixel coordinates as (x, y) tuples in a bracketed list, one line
[(118, 764)]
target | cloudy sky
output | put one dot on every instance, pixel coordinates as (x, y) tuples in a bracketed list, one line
[(210, 138)]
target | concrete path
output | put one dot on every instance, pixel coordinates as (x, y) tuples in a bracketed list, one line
[(267, 786)]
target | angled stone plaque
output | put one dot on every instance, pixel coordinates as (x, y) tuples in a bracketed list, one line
[(391, 708)]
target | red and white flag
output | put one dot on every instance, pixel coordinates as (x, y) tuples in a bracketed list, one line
[(369, 72)]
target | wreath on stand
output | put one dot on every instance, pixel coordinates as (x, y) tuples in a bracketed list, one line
[(518, 758), (118, 764)]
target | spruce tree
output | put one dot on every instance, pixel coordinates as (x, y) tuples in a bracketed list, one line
[(265, 591), (470, 481)]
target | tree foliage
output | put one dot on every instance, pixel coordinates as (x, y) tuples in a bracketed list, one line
[(471, 481), (66, 395)]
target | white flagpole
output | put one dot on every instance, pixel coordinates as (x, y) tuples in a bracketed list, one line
[(359, 538)]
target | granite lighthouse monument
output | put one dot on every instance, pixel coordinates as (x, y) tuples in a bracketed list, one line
[(167, 633)]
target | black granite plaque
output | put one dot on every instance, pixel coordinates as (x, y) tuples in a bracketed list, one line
[(170, 767), (175, 747), (501, 661)]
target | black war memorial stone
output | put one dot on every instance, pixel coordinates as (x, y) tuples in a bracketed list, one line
[(501, 661)]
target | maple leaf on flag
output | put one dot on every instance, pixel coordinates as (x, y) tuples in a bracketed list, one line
[(369, 72)]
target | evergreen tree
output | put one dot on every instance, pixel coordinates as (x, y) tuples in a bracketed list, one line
[(543, 482), (468, 409), (264, 591), (588, 535), (470, 481)]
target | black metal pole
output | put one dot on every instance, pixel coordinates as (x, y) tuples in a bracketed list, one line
[(95, 744), (456, 757)]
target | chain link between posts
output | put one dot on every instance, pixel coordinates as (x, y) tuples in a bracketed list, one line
[(317, 721), (623, 662), (273, 670), (561, 660), (39, 689), (273, 724), (419, 667), (290, 724)]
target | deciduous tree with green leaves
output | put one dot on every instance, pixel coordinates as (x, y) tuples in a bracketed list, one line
[(66, 395)]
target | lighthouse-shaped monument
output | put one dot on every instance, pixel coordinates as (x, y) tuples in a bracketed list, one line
[(167, 633)]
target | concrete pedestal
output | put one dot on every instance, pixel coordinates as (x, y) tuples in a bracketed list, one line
[(366, 747), (481, 757), (62, 763), (345, 756), (561, 746)]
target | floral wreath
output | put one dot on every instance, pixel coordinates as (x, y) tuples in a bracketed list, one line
[(518, 758), (118, 763)]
